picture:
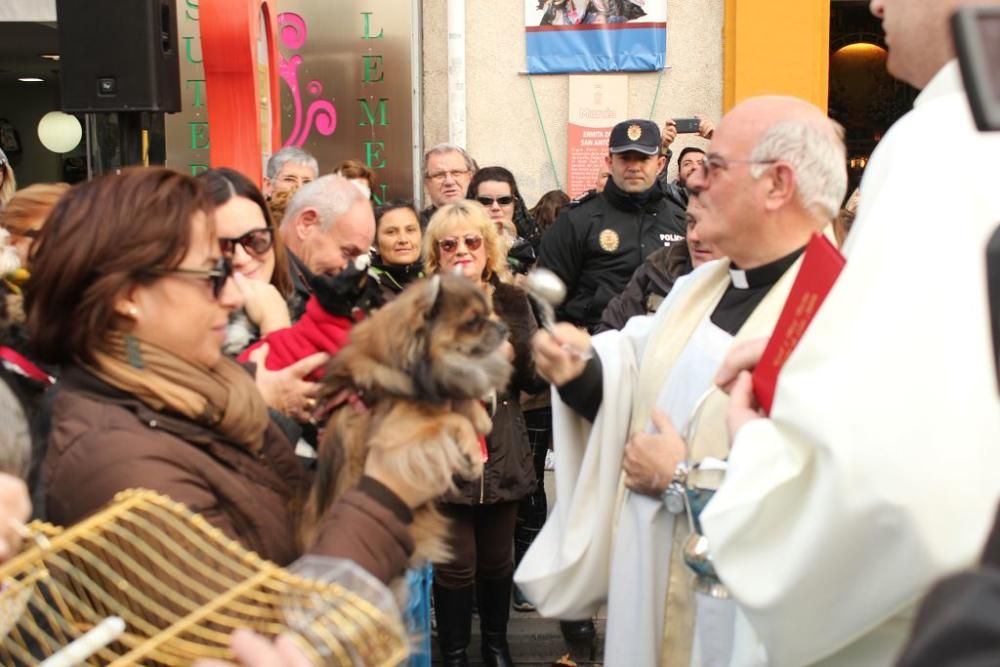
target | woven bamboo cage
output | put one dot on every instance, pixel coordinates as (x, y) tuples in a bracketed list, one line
[(181, 586)]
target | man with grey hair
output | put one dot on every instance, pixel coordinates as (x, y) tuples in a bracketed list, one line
[(875, 472), (289, 169), (328, 223), (448, 169), (774, 176)]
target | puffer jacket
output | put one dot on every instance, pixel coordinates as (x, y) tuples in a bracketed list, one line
[(509, 473), (104, 440)]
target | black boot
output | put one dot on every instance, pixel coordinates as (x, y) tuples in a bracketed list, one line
[(580, 637), (453, 609), (493, 596)]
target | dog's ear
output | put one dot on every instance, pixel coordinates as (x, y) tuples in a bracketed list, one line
[(433, 297)]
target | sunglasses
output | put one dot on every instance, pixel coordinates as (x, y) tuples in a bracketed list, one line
[(450, 244), (216, 276), (255, 242), (506, 200)]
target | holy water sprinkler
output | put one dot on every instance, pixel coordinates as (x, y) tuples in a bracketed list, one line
[(547, 291)]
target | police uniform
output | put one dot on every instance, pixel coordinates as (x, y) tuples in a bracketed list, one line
[(599, 241)]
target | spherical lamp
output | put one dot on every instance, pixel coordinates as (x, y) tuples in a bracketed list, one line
[(59, 132)]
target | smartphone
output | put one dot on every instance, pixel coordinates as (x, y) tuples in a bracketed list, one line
[(687, 125), (977, 42)]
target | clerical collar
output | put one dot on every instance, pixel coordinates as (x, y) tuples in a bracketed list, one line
[(763, 276)]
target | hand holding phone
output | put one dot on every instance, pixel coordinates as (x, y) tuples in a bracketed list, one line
[(687, 125)]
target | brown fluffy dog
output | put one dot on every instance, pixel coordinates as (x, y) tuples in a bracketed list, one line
[(421, 364)]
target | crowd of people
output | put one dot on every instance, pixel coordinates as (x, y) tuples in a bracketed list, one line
[(170, 332)]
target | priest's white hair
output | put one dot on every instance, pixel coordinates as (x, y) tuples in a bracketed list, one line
[(818, 156)]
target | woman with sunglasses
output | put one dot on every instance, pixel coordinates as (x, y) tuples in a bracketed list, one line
[(462, 238), (136, 309), (496, 189), (248, 237)]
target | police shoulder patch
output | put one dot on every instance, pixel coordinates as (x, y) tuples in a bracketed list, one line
[(585, 197)]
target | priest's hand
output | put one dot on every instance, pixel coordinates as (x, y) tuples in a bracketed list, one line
[(742, 404), (558, 356), (651, 458), (741, 357)]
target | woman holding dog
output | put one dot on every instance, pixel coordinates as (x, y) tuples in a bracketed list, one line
[(135, 309), (461, 237)]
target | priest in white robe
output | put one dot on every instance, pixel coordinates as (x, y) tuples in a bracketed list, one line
[(646, 400), (878, 470)]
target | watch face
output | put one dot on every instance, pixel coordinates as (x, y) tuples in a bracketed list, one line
[(673, 498)]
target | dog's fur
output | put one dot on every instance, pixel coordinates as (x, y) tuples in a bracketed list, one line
[(422, 364)]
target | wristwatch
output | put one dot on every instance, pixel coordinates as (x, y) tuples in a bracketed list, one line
[(674, 495)]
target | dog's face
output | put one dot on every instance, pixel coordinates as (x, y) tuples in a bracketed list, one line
[(439, 335)]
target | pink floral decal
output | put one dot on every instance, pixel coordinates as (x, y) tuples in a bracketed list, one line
[(321, 114)]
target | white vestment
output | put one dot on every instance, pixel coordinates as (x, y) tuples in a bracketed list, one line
[(878, 471), (579, 560)]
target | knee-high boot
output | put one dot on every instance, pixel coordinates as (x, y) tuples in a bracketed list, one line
[(493, 596), (453, 609)]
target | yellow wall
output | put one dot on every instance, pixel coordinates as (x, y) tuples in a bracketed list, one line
[(777, 47)]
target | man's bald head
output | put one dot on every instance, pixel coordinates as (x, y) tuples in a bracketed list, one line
[(918, 35), (792, 130), (775, 172)]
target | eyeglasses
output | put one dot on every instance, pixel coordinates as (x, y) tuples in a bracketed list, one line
[(450, 244), (506, 200), (441, 176), (216, 276), (714, 161), (255, 242)]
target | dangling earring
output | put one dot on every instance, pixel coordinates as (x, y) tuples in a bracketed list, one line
[(132, 351)]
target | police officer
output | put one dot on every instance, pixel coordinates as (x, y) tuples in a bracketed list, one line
[(601, 238)]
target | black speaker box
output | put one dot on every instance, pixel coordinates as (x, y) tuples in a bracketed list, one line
[(118, 55)]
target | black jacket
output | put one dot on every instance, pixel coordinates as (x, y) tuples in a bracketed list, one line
[(394, 278), (509, 473), (648, 286), (301, 289), (957, 623), (597, 243)]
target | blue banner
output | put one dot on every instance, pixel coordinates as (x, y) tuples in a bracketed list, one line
[(565, 36)]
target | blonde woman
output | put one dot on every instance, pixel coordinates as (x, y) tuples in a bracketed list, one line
[(462, 238)]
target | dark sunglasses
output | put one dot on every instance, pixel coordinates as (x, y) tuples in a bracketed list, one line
[(506, 200), (255, 242), (450, 244), (215, 276)]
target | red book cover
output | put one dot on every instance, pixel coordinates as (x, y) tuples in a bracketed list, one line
[(820, 267)]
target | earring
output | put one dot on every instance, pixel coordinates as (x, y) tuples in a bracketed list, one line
[(132, 351), (133, 311)]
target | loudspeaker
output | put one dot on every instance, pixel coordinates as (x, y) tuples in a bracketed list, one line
[(118, 55)]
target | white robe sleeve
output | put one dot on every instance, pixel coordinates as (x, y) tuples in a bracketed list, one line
[(879, 469)]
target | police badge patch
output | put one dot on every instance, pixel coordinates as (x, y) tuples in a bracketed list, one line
[(634, 132), (608, 240)]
